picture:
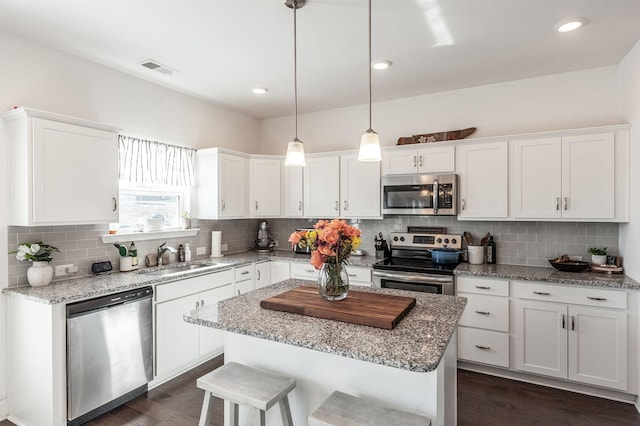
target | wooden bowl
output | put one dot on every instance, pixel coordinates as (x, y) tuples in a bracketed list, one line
[(570, 266)]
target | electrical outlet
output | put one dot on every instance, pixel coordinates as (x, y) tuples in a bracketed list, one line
[(62, 270), (201, 250), (224, 247), (275, 243)]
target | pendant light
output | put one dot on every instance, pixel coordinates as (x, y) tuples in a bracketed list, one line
[(370, 142), (295, 149)]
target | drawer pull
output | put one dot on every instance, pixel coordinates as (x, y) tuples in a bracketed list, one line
[(542, 293), (596, 298), (483, 287), (351, 275), (201, 302), (483, 312), (484, 348), (238, 292), (310, 270), (573, 323), (563, 321), (244, 272)]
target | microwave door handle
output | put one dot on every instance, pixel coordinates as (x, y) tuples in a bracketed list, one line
[(436, 193)]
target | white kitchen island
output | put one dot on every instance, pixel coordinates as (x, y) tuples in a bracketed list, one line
[(411, 368)]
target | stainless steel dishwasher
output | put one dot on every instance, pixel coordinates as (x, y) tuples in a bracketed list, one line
[(109, 352)]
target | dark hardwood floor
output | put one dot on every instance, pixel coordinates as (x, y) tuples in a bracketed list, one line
[(482, 400)]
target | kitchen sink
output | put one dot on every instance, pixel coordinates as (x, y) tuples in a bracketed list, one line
[(181, 269)]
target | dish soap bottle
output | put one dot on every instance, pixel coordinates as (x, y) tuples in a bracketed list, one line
[(492, 253), (187, 253), (133, 253), (180, 253)]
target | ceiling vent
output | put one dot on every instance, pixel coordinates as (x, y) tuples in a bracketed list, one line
[(157, 67)]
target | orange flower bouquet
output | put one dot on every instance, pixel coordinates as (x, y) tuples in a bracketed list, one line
[(331, 244)]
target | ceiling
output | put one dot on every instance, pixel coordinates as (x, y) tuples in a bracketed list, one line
[(222, 49)]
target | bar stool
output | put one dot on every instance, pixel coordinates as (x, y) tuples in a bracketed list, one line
[(342, 409), (243, 385)]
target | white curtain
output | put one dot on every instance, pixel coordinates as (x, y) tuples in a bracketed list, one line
[(142, 161)]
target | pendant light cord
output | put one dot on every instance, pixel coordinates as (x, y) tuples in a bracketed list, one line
[(370, 121), (295, 70)]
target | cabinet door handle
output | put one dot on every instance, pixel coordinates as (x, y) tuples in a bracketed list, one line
[(483, 312), (238, 292), (566, 203), (420, 163), (115, 204), (563, 321), (300, 205), (244, 272), (573, 323), (596, 298), (484, 348), (483, 287), (557, 203), (346, 205), (542, 293), (415, 161), (223, 205), (197, 304), (463, 204), (201, 302), (337, 205), (256, 206)]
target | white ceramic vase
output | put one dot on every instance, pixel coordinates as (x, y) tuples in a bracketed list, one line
[(598, 259), (40, 274)]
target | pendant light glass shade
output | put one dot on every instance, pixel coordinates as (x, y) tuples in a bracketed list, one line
[(295, 149), (295, 154), (369, 147), (370, 142)]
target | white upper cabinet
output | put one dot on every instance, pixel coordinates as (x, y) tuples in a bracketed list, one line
[(422, 159), (61, 170), (292, 191), (570, 177), (483, 173), (322, 186), (359, 188), (222, 184), (265, 187)]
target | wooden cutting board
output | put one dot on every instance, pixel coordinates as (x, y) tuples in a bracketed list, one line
[(372, 309)]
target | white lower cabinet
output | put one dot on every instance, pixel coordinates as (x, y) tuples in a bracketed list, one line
[(584, 343), (243, 279), (279, 271), (178, 344), (262, 274), (483, 332), (303, 271), (359, 276)]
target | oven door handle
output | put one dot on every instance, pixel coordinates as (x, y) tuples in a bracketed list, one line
[(413, 277)]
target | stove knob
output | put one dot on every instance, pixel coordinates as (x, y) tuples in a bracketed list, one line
[(446, 241), (401, 238), (454, 241), (439, 241), (395, 238)]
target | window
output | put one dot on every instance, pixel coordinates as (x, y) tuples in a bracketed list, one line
[(141, 202)]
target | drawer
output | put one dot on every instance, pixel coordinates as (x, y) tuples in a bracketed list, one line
[(486, 347), (193, 285), (242, 287), (589, 296), (359, 275), (243, 273), (487, 286), (489, 312), (303, 271)]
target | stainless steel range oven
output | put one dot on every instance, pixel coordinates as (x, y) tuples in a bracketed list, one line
[(410, 266)]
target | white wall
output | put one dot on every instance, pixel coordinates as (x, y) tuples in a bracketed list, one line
[(630, 99), (47, 79), (4, 272), (561, 101)]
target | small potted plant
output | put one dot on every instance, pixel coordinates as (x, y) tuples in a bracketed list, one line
[(185, 220), (598, 255)]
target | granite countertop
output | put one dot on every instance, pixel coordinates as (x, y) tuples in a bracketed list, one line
[(86, 287), (551, 275), (417, 343)]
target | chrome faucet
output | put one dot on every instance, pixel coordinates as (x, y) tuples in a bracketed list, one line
[(160, 251)]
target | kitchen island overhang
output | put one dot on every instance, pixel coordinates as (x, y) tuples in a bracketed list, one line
[(411, 368)]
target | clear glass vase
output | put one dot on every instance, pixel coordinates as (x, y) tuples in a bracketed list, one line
[(333, 281)]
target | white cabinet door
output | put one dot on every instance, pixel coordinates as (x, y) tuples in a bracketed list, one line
[(265, 187), (399, 161), (359, 188), (279, 271), (423, 159), (303, 271), (535, 194), (211, 339), (598, 346), (233, 186), (482, 169), (262, 274), (322, 187), (292, 189), (541, 337), (177, 341), (588, 176)]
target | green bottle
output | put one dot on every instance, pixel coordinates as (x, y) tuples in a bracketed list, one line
[(133, 252), (492, 253)]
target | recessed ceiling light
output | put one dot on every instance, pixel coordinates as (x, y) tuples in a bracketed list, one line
[(570, 24), (381, 64), (259, 90)]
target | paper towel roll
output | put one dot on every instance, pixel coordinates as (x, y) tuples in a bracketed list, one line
[(216, 244)]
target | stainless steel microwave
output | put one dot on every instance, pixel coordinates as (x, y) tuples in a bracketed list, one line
[(420, 194)]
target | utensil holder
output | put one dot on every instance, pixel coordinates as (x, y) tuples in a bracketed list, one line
[(476, 255)]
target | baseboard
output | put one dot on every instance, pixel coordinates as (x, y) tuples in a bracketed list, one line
[(611, 394), (4, 409)]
